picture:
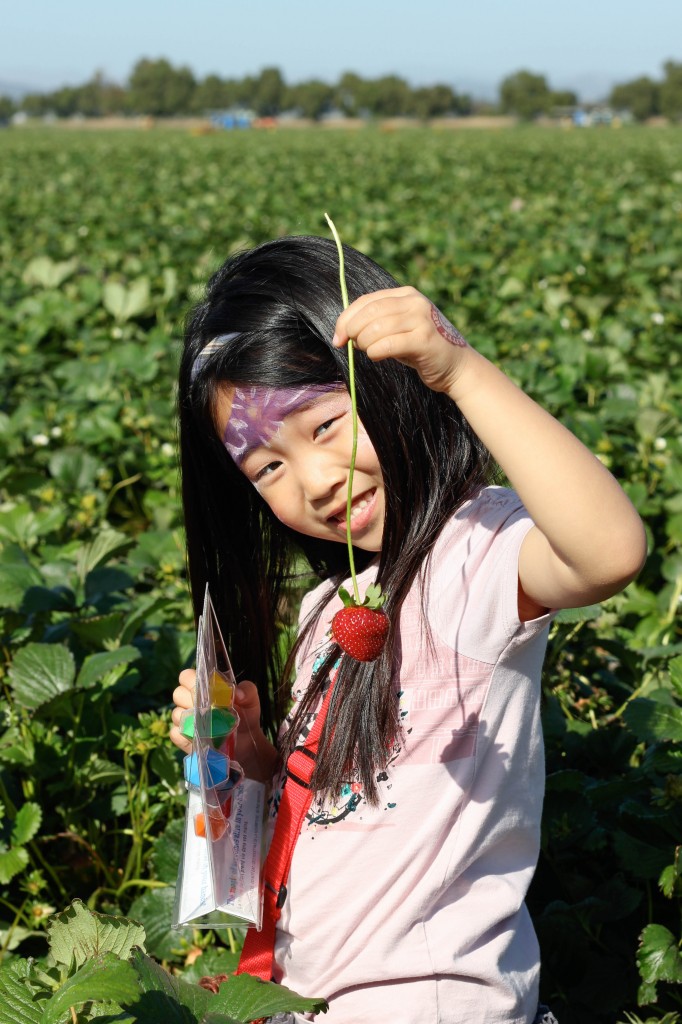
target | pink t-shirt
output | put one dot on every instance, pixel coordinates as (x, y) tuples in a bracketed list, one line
[(413, 911)]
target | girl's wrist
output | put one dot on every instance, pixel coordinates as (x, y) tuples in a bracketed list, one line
[(463, 374)]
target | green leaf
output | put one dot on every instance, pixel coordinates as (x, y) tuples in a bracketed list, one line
[(104, 978), (99, 629), (154, 910), (17, 1005), (248, 998), (11, 863), (136, 620), (642, 859), (575, 615), (15, 580), (78, 934), (166, 853), (74, 469), (48, 273), (675, 669), (123, 302), (40, 672), (373, 596), (100, 550), (165, 998), (651, 721), (96, 666), (658, 956), (26, 824), (345, 597)]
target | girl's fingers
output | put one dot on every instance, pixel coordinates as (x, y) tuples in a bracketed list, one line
[(402, 347), (247, 703), (179, 740), (182, 697), (379, 310)]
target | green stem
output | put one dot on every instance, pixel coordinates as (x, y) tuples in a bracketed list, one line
[(354, 410)]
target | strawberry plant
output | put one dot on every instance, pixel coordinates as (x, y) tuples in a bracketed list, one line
[(96, 968)]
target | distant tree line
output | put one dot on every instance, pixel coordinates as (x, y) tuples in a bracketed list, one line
[(528, 95), (644, 97), (158, 89)]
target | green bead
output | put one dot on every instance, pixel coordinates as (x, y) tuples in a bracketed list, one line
[(222, 722)]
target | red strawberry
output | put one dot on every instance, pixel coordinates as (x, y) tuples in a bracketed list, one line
[(361, 629)]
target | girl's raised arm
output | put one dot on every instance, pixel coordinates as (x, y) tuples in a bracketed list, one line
[(588, 541)]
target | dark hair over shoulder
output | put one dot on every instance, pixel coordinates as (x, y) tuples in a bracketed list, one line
[(280, 302)]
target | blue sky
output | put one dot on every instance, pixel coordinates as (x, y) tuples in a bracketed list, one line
[(583, 44)]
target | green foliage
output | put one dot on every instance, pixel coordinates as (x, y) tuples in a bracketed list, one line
[(526, 94), (558, 255), (97, 969), (641, 97)]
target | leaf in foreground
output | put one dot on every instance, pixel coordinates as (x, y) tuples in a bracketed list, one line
[(163, 998), (247, 998), (659, 957), (40, 672), (16, 999), (105, 978), (78, 934), (26, 823), (651, 721)]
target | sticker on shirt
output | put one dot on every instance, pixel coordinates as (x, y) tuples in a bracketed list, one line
[(351, 806)]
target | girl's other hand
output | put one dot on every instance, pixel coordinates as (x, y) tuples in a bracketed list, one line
[(402, 324), (253, 750), (183, 698)]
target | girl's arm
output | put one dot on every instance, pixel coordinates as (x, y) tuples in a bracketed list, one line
[(588, 541), (253, 750)]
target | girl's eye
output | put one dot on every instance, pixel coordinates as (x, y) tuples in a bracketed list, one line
[(266, 470), (323, 428)]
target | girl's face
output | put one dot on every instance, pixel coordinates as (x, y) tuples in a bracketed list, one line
[(294, 445)]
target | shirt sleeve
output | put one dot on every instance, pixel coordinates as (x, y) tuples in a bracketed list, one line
[(472, 581)]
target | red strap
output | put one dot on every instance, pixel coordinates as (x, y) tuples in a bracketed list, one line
[(259, 946)]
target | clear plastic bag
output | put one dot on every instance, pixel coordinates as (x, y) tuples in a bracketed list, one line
[(219, 880)]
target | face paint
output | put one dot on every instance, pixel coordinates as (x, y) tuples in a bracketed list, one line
[(208, 350), (257, 413)]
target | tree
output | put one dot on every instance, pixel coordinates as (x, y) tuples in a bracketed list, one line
[(351, 94), (433, 101), (640, 97), (312, 98), (157, 88), (562, 98), (525, 94), (7, 108), (269, 89), (671, 91), (388, 96), (215, 93)]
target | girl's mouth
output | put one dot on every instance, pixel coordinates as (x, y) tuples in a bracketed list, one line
[(361, 512)]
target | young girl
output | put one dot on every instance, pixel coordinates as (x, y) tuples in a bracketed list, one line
[(405, 899)]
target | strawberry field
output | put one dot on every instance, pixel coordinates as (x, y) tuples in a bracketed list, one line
[(558, 255)]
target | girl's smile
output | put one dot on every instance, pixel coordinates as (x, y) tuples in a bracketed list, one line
[(300, 468)]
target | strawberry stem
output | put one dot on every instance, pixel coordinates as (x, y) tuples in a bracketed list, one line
[(354, 410)]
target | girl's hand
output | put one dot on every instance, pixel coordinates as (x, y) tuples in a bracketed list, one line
[(402, 324), (253, 750)]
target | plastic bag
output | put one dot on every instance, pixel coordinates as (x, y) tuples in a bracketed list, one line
[(219, 880)]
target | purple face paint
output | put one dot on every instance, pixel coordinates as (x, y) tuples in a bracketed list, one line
[(257, 413)]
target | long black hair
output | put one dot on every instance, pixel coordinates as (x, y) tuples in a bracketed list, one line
[(281, 301)]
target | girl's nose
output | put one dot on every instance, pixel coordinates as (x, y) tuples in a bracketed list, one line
[(322, 477)]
